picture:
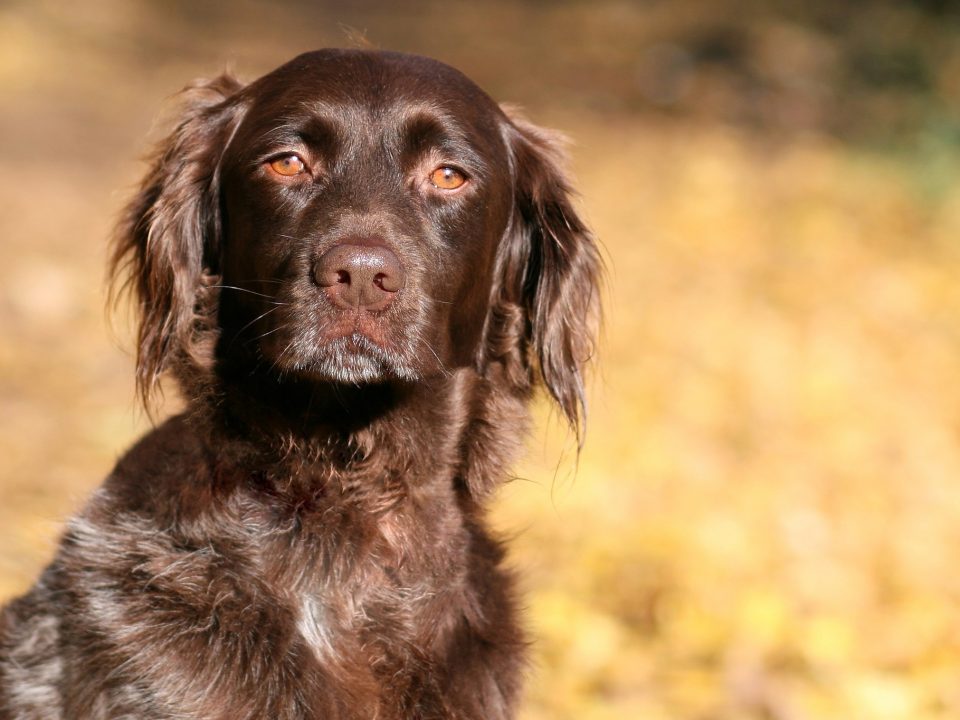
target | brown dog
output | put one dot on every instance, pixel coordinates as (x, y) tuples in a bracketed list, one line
[(358, 267)]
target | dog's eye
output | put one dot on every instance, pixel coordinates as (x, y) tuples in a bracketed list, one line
[(447, 178), (288, 165)]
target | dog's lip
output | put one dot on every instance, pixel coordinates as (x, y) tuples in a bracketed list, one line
[(357, 341), (358, 334)]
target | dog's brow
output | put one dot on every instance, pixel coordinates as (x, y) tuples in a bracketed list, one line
[(432, 115), (430, 124), (425, 124), (337, 109), (306, 126), (286, 133)]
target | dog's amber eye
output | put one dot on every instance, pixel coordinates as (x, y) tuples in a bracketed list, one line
[(447, 178), (288, 165)]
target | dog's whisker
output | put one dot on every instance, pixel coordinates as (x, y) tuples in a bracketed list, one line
[(279, 357), (252, 322), (252, 292), (433, 352), (269, 332)]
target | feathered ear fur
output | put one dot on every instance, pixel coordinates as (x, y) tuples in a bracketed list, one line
[(546, 307), (166, 246)]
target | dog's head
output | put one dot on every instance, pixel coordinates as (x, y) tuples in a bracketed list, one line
[(359, 217)]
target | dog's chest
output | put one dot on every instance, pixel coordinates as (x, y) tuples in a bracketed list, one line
[(316, 627), (362, 588)]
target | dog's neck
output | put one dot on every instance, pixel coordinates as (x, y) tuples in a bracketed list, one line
[(457, 427)]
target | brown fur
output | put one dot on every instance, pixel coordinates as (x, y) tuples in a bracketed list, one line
[(307, 539)]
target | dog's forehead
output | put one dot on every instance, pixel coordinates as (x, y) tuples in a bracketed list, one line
[(370, 80)]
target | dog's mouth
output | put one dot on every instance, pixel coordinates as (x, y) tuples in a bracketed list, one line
[(322, 342), (357, 358)]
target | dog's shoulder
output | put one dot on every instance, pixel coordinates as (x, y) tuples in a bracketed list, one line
[(165, 454), (151, 478)]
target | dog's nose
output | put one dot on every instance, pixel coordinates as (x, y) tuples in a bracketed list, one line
[(365, 277)]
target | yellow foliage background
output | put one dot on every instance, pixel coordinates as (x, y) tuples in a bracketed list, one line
[(764, 522)]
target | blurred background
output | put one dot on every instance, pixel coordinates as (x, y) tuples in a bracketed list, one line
[(765, 521)]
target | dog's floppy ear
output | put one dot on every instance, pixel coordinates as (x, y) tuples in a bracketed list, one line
[(548, 273), (166, 246)]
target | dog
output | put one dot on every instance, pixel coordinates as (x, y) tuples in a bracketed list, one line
[(358, 269)]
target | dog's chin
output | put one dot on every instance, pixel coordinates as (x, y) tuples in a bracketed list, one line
[(354, 360)]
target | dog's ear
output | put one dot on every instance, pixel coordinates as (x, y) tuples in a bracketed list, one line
[(548, 275), (166, 246)]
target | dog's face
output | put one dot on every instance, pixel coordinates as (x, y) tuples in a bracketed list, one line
[(360, 217), (364, 199)]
